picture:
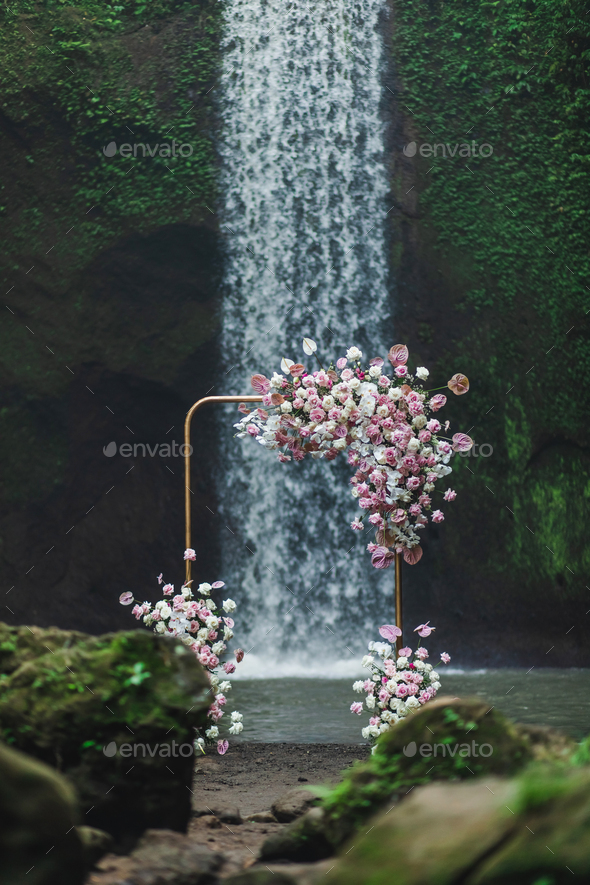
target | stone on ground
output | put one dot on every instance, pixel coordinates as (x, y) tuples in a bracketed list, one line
[(293, 804), (39, 844)]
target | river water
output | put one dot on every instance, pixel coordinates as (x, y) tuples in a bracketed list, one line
[(316, 711)]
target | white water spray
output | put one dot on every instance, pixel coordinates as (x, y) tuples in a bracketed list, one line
[(303, 201)]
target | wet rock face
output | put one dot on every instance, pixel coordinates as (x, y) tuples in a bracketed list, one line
[(114, 713), (39, 844)]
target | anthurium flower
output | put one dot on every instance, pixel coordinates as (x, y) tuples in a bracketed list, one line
[(459, 384)]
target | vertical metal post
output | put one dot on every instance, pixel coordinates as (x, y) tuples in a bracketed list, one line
[(398, 598)]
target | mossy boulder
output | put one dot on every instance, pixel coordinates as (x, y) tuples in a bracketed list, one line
[(39, 842), (115, 713), (531, 830)]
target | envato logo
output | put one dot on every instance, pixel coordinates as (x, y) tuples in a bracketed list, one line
[(461, 150), (483, 450), (161, 150), (427, 750), (164, 450), (148, 750)]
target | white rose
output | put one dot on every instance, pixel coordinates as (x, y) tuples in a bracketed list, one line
[(229, 605), (394, 393), (165, 611), (212, 732), (236, 728), (384, 727), (419, 665), (340, 444), (358, 686), (202, 634), (365, 732), (370, 701), (204, 589), (435, 685), (212, 622), (277, 380), (236, 717), (286, 406), (383, 411), (413, 445), (354, 384), (228, 633), (367, 661), (353, 353), (422, 373), (401, 663), (375, 371), (327, 403), (160, 627), (419, 422), (428, 486), (428, 667), (412, 703), (225, 686), (217, 648), (434, 676)]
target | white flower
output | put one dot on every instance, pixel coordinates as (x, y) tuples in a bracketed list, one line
[(187, 639), (367, 661), (202, 634), (419, 422), (204, 589), (354, 384), (401, 663), (428, 667), (236, 728), (422, 373), (309, 346), (412, 702), (394, 393), (286, 365), (327, 402), (370, 702), (375, 371), (228, 633), (434, 676), (414, 444), (339, 444), (229, 605), (435, 685), (160, 627), (286, 406), (236, 717), (353, 353), (277, 380), (383, 411), (212, 732), (212, 622), (358, 686), (384, 727), (165, 610), (419, 665), (217, 648), (225, 686)]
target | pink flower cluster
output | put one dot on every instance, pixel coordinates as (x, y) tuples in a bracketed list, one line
[(397, 685), (198, 624), (386, 423)]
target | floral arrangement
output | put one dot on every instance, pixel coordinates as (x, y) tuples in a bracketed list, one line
[(384, 420), (397, 686), (196, 624)]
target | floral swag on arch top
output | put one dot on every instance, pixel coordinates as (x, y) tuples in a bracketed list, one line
[(387, 424)]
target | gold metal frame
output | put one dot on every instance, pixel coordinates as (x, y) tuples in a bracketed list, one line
[(187, 496)]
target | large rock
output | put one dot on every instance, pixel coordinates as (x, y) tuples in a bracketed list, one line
[(441, 741), (492, 831), (115, 713), (162, 857), (293, 804), (39, 843)]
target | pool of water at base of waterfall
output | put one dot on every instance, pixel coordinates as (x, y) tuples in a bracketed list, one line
[(304, 710)]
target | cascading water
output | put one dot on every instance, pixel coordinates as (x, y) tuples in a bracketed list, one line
[(303, 205)]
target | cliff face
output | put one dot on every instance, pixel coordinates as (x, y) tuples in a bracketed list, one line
[(112, 267)]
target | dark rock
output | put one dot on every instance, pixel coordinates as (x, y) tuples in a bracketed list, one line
[(66, 697), (163, 857), (39, 843), (304, 840), (261, 876), (95, 844), (293, 804), (227, 814)]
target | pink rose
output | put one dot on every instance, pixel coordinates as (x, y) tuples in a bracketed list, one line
[(340, 364), (437, 402), (438, 516), (421, 653), (189, 553), (384, 381), (401, 371), (229, 667), (316, 415), (433, 425), (413, 483), (450, 495), (356, 708), (445, 658), (424, 501), (402, 690)]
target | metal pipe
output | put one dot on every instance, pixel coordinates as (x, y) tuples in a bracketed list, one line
[(398, 598), (187, 460)]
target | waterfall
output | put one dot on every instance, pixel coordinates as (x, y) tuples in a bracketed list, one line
[(303, 203)]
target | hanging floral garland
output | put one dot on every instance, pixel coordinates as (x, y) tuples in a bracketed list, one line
[(384, 418)]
